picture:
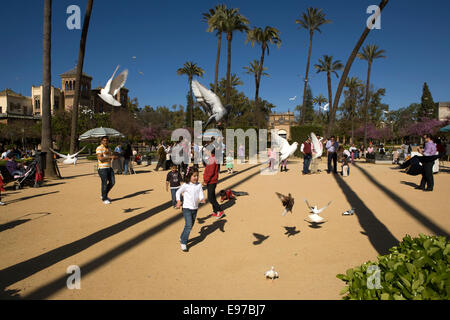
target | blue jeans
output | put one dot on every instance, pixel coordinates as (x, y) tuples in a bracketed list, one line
[(189, 218), (306, 162), (174, 197), (125, 166), (108, 181)]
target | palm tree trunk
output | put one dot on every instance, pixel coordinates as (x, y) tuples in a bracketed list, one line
[(258, 81), (366, 103), (303, 117), (349, 65), (330, 97), (192, 101), (46, 138), (216, 76), (228, 90), (76, 102)]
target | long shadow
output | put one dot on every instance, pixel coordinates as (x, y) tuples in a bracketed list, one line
[(12, 224), (25, 269), (228, 204), (51, 184), (207, 230), (79, 175), (379, 235), (411, 184), (131, 210), (132, 195), (30, 197), (416, 214), (142, 171)]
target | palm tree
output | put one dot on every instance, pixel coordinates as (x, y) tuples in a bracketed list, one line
[(46, 138), (255, 69), (347, 68), (369, 53), (311, 20), (233, 21), (76, 100), (329, 66), (191, 69), (263, 37), (215, 19), (320, 99), (353, 84)]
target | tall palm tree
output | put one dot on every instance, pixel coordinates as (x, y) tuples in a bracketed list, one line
[(353, 84), (347, 68), (369, 53), (215, 19), (191, 69), (320, 100), (255, 69), (233, 21), (310, 20), (46, 138), (329, 66), (76, 100), (264, 37)]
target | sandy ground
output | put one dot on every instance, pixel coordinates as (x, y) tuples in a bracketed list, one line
[(130, 248)]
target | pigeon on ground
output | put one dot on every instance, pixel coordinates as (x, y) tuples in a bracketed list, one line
[(287, 201), (286, 149), (272, 274), (112, 87), (211, 103), (70, 158), (315, 216)]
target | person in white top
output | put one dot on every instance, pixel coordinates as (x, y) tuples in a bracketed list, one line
[(192, 192)]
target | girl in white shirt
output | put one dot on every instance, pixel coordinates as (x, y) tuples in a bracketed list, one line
[(192, 194)]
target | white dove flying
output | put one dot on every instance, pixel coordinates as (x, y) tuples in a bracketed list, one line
[(325, 107), (113, 86), (286, 149), (315, 216), (272, 274), (210, 103), (292, 99), (70, 158), (318, 146)]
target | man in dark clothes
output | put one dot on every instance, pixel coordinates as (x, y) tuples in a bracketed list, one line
[(210, 179)]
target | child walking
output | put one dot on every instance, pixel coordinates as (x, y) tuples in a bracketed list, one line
[(174, 181), (192, 192), (229, 160)]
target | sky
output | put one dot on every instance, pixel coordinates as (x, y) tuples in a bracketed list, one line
[(163, 35)]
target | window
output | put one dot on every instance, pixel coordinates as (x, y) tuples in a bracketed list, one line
[(67, 86), (1, 111)]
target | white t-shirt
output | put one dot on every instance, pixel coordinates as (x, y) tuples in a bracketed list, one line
[(192, 195), (347, 153)]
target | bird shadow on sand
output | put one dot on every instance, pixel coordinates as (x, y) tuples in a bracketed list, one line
[(259, 238), (315, 225), (290, 231), (206, 231), (131, 210), (411, 184)]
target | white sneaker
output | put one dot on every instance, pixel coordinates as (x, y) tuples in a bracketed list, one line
[(107, 201), (183, 247)]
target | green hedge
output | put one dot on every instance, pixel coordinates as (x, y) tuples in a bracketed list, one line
[(416, 269), (300, 133)]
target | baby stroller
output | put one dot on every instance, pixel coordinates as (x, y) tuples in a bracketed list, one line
[(33, 176)]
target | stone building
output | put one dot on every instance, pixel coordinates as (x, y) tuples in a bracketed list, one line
[(68, 89), (282, 122), (15, 107), (56, 100), (443, 111)]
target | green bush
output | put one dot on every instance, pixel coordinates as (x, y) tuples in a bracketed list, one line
[(300, 133), (92, 157), (416, 269)]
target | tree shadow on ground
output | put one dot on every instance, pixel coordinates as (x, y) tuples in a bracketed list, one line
[(132, 195), (207, 230), (30, 197), (12, 224), (9, 294)]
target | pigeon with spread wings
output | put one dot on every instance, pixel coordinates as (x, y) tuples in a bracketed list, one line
[(287, 201), (112, 87), (317, 145), (285, 148), (70, 158), (211, 103), (315, 216)]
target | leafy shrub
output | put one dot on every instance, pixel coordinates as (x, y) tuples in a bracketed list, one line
[(300, 133), (416, 269)]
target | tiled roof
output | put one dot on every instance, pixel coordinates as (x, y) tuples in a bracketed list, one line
[(72, 73)]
